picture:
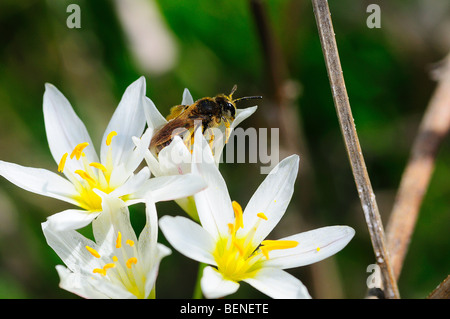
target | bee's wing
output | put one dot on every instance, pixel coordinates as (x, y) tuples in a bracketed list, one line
[(165, 133)]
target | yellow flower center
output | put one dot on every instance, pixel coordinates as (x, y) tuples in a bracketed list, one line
[(93, 176), (123, 268), (236, 255)]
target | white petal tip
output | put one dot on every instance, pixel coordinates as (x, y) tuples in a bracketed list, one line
[(215, 286)]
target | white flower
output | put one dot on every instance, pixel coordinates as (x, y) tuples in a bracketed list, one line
[(176, 158), (117, 264), (121, 153), (234, 242)]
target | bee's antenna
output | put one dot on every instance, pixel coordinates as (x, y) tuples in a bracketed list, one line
[(247, 98), (233, 90)]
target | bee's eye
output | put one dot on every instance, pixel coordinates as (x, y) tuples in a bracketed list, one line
[(230, 108)]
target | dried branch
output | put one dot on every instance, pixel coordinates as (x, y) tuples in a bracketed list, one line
[(342, 104), (442, 291), (434, 127)]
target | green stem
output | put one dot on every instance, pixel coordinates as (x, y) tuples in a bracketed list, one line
[(198, 289)]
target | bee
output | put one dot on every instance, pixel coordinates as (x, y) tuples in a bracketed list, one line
[(209, 112)]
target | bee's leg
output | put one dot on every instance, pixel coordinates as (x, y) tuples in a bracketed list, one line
[(188, 139), (227, 130), (210, 134)]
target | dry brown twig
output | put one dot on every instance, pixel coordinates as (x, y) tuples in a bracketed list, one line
[(442, 291), (434, 127), (360, 174)]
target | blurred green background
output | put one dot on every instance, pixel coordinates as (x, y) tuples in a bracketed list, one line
[(207, 46)]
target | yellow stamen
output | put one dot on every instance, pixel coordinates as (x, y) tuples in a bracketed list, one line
[(85, 176), (78, 150), (62, 163), (265, 252), (130, 243), (239, 221), (108, 266), (239, 247), (109, 137), (115, 259), (318, 249), (231, 228), (262, 216), (93, 252), (268, 245), (99, 166), (99, 271), (119, 240), (132, 260)]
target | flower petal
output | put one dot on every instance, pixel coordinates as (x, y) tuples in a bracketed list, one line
[(277, 283), (189, 238), (64, 128), (243, 114), (149, 236), (215, 286), (70, 246), (219, 139), (137, 155), (271, 198), (39, 181), (175, 159), (152, 163), (150, 251), (71, 219), (127, 121), (154, 118), (133, 185), (313, 246), (152, 274), (87, 286), (115, 217), (187, 98), (77, 283), (214, 203), (165, 188)]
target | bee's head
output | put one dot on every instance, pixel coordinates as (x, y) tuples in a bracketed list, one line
[(228, 104)]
